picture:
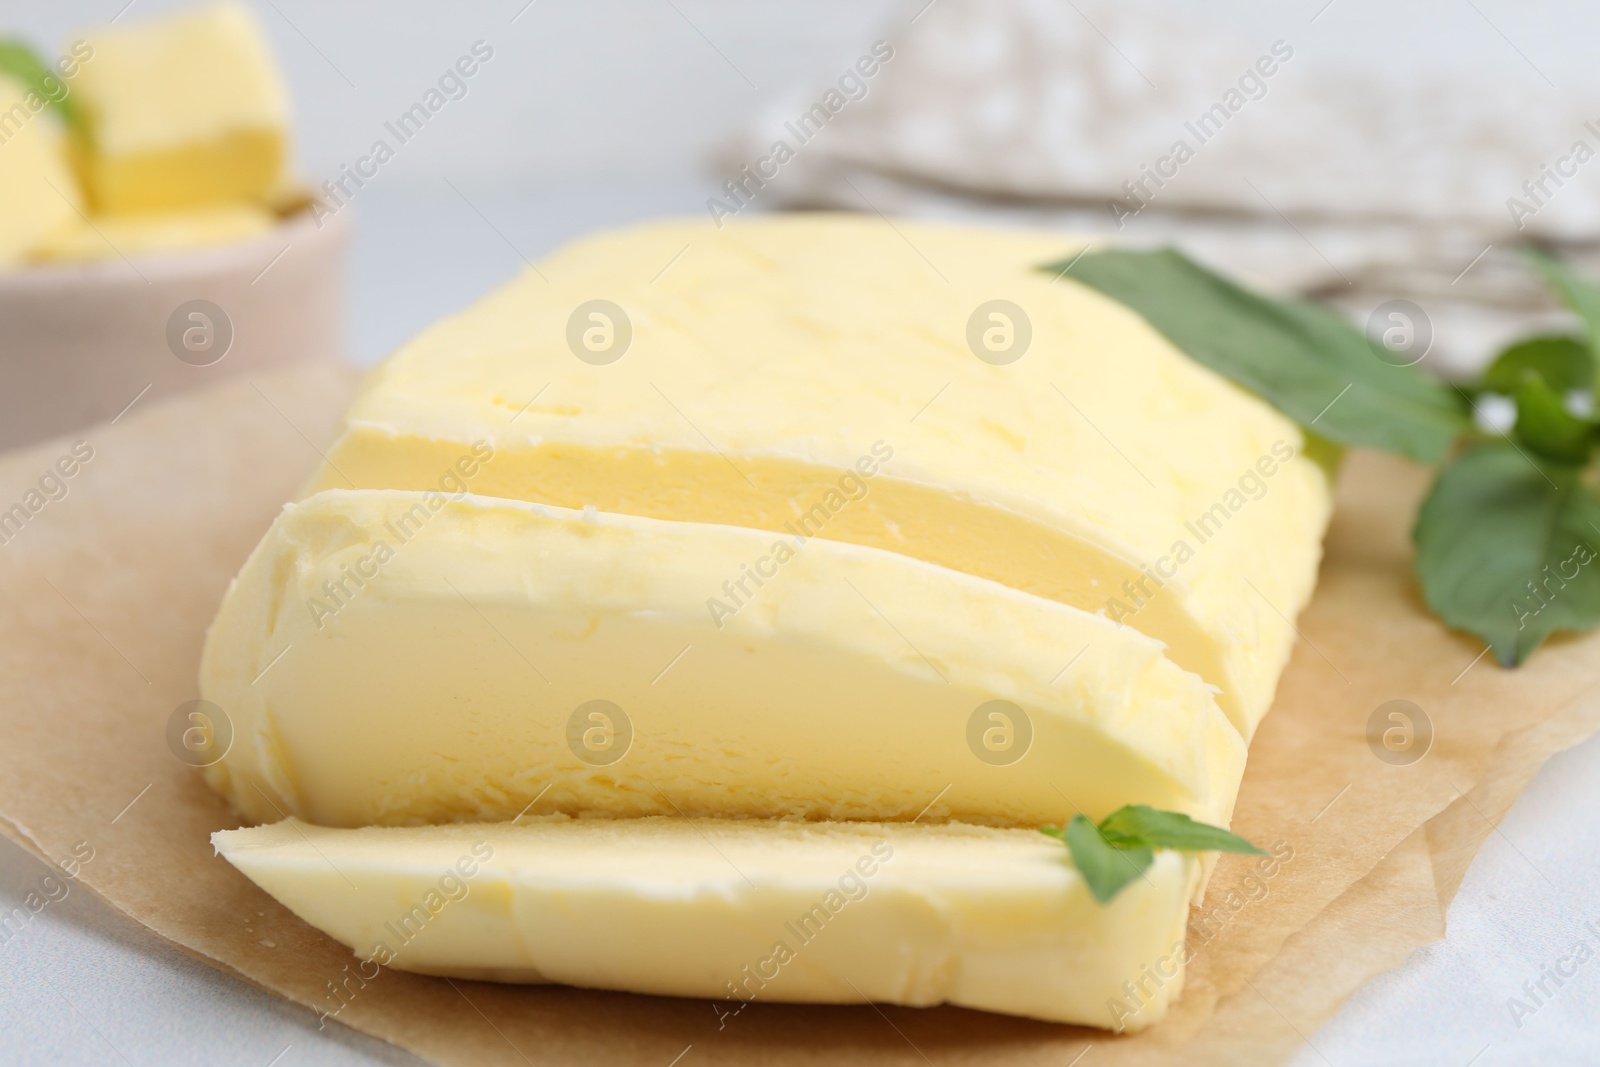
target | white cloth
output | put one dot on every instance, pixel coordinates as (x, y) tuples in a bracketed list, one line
[(1293, 168)]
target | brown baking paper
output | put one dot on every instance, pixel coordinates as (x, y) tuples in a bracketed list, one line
[(105, 594)]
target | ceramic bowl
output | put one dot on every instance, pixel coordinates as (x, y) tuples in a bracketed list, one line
[(84, 343)]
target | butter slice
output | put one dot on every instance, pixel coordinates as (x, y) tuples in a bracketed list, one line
[(37, 190), (742, 912), (397, 658), (81, 240), (767, 356), (183, 110)]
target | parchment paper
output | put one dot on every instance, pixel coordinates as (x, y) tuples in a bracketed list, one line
[(106, 592)]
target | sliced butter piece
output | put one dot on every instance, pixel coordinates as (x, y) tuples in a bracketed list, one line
[(183, 110), (389, 657), (37, 190), (739, 911), (767, 356), (109, 236)]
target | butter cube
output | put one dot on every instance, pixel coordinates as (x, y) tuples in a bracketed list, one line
[(741, 912), (389, 657), (82, 239), (1044, 436), (38, 193), (182, 110)]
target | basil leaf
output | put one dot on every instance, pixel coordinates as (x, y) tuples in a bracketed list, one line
[(1304, 360), (1564, 363), (21, 64), (1577, 292), (1122, 847), (1138, 824), (1505, 549), (1105, 870), (1545, 425)]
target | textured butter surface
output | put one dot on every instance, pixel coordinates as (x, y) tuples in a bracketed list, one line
[(741, 912), (395, 657), (765, 358)]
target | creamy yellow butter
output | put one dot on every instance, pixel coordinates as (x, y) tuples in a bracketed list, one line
[(37, 190), (738, 912), (182, 110), (742, 599), (398, 657), (1099, 468), (80, 239)]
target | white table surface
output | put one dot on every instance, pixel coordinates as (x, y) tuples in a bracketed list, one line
[(82, 984)]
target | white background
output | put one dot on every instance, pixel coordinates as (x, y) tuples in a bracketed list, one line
[(594, 112)]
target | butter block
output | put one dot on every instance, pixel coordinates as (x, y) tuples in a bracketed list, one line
[(182, 110), (394, 657), (1100, 468), (85, 240), (38, 192), (740, 912)]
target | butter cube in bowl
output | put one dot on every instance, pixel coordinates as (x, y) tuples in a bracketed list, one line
[(151, 235), (181, 111)]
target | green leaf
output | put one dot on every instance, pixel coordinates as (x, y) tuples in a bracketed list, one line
[(1546, 426), (1137, 824), (1505, 548), (1577, 292), (22, 64), (1123, 845), (1105, 869), (1305, 360), (1565, 364)]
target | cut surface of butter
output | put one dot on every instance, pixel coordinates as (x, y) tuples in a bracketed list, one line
[(38, 192), (1100, 468), (741, 912), (182, 110), (396, 658), (155, 233)]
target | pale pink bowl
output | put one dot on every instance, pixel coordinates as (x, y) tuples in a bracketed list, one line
[(80, 343)]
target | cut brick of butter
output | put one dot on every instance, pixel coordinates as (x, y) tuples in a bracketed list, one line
[(107, 236), (182, 110), (740, 912), (1102, 469), (397, 658), (37, 191)]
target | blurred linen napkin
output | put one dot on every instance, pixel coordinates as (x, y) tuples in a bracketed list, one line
[(1268, 145)]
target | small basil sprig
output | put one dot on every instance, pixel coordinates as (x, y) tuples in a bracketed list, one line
[(1579, 295), (1505, 548), (1111, 855), (1563, 362), (23, 65), (1506, 536)]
